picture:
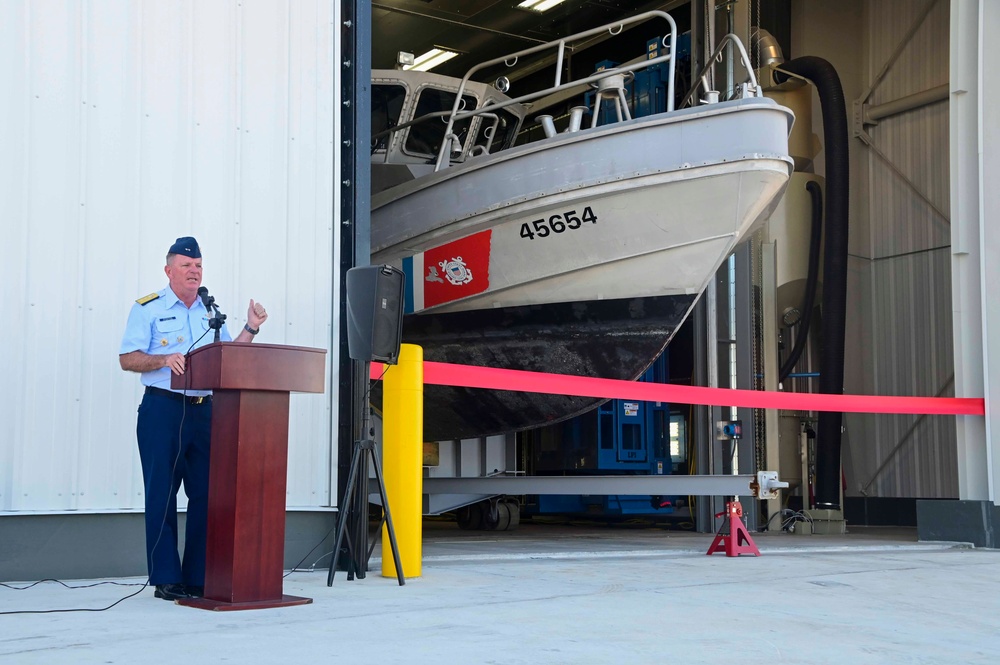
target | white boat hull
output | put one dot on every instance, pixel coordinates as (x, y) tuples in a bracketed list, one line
[(621, 211)]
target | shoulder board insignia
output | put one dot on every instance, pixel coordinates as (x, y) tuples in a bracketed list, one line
[(145, 300)]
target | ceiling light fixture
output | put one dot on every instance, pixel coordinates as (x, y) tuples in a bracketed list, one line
[(403, 59), (539, 5), (430, 59)]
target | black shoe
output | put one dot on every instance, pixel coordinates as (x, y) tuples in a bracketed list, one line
[(194, 591), (171, 592)]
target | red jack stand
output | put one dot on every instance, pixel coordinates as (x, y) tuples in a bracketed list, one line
[(737, 533)]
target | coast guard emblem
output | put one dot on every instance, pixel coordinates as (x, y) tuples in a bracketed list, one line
[(456, 271), (432, 275), (446, 272)]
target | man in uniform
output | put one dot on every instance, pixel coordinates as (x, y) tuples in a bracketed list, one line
[(173, 427)]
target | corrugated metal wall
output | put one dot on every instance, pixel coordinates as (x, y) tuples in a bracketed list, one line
[(907, 267), (123, 125)]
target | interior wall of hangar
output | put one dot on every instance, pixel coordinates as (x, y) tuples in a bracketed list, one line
[(123, 126), (899, 337), (919, 318), (899, 332), (903, 253)]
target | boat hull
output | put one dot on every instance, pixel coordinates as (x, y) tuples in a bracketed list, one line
[(641, 208), (616, 339), (580, 254)]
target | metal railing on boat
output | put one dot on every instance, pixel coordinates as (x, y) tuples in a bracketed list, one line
[(730, 41), (560, 46), (752, 89)]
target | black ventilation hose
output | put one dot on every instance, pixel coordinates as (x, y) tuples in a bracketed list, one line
[(809, 301), (831, 379)]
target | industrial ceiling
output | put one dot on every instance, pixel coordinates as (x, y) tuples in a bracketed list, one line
[(484, 29)]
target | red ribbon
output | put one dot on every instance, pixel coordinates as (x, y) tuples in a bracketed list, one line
[(491, 378)]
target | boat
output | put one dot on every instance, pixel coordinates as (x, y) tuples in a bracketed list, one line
[(579, 253)]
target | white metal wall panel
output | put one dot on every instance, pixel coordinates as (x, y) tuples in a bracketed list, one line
[(909, 324), (126, 124), (915, 359), (858, 450), (915, 142)]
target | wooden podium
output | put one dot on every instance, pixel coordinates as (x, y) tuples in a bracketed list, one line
[(249, 465)]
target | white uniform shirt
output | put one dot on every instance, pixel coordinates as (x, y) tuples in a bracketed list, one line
[(165, 325)]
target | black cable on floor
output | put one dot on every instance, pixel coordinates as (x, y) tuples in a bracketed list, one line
[(79, 586)]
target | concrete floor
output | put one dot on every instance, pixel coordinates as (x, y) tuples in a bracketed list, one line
[(565, 594)]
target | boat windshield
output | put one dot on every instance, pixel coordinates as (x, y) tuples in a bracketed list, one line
[(387, 107), (425, 138), (503, 134)]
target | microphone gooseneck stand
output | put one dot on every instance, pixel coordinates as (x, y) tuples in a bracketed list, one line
[(215, 323)]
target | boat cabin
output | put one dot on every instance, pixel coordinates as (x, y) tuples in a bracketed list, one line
[(409, 116)]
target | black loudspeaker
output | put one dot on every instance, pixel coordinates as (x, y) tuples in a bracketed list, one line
[(375, 313)]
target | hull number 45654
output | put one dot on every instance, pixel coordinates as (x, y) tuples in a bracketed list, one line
[(567, 221)]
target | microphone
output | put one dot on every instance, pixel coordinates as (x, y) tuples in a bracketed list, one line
[(214, 323), (206, 299)]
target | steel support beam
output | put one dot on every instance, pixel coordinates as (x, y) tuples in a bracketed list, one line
[(594, 485), (972, 217), (354, 186), (772, 459), (873, 114), (701, 431), (744, 333)]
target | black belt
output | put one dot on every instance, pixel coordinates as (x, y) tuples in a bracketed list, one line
[(204, 399)]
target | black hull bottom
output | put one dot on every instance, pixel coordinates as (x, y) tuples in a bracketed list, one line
[(611, 339)]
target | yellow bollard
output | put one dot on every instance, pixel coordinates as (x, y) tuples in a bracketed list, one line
[(402, 459)]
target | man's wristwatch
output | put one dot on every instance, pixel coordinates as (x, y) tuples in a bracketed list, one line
[(246, 326)]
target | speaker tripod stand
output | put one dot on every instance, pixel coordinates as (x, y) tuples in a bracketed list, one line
[(364, 452)]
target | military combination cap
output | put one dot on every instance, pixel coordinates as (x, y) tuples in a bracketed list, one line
[(186, 246)]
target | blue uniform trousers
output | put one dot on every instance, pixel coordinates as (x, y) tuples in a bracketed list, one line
[(173, 437)]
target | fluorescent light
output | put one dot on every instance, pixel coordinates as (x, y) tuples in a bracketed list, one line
[(431, 59), (539, 5)]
